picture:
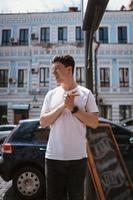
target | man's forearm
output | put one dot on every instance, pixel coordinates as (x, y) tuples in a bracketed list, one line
[(48, 118), (89, 119)]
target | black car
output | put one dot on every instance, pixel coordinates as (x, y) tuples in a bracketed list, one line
[(22, 160), (127, 122), (5, 129), (23, 154), (122, 134)]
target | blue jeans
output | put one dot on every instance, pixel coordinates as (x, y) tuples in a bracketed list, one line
[(65, 179)]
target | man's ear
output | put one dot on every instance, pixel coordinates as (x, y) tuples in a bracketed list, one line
[(69, 69)]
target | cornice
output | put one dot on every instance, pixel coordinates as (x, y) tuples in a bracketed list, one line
[(118, 16), (39, 17)]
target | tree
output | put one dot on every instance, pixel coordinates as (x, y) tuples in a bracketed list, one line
[(123, 7)]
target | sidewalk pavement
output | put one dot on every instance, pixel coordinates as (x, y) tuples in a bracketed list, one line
[(7, 192)]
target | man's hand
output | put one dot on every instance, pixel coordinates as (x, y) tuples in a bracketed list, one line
[(69, 100)]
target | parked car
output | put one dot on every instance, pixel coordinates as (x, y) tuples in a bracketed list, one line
[(23, 159), (127, 122), (131, 140), (23, 153), (5, 129), (122, 134), (130, 127)]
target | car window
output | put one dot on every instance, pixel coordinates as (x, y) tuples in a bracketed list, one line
[(24, 131), (40, 135), (6, 128), (28, 127), (129, 123), (31, 133)]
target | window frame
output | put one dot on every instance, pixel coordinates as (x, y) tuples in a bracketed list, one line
[(44, 76), (123, 109), (80, 70), (45, 34), (105, 111), (4, 79), (105, 81), (122, 77), (23, 36), (79, 34), (22, 77), (122, 35), (103, 34), (6, 35), (62, 34)]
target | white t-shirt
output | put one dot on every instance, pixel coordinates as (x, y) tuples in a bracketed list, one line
[(67, 139)]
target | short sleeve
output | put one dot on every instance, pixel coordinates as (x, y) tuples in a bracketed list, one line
[(91, 103), (45, 107)]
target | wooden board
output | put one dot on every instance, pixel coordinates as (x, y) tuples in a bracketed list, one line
[(109, 173)]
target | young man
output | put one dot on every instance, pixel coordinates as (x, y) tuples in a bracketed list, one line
[(68, 109)]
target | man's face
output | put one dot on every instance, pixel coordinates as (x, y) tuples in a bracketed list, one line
[(60, 72)]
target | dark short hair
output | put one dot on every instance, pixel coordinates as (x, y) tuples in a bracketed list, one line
[(66, 60)]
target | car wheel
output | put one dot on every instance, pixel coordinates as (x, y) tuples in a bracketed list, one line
[(29, 183)]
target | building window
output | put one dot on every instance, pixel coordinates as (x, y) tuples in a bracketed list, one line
[(22, 78), (20, 114), (103, 34), (6, 35), (125, 111), (122, 34), (79, 34), (62, 34), (3, 114), (104, 77), (105, 111), (124, 77), (45, 34), (3, 78), (80, 75), (23, 37), (44, 76)]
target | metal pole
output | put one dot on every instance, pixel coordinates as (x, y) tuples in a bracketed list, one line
[(86, 57), (82, 11), (89, 187), (88, 60), (95, 59)]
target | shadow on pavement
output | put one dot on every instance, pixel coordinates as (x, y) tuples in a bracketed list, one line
[(10, 195)]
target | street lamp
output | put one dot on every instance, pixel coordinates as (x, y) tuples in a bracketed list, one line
[(92, 18), (93, 15)]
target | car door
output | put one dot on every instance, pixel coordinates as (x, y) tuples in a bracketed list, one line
[(39, 140), (29, 143)]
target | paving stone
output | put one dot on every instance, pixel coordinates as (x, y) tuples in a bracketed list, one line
[(7, 192), (4, 187)]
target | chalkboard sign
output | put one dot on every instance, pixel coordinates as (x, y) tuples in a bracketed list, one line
[(109, 174)]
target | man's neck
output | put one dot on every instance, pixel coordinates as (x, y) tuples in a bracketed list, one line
[(69, 86)]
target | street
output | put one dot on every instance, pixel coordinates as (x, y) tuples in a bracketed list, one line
[(6, 191)]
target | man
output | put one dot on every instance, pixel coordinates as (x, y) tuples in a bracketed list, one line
[(68, 109)]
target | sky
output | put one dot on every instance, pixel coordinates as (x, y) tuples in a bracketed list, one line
[(13, 6)]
